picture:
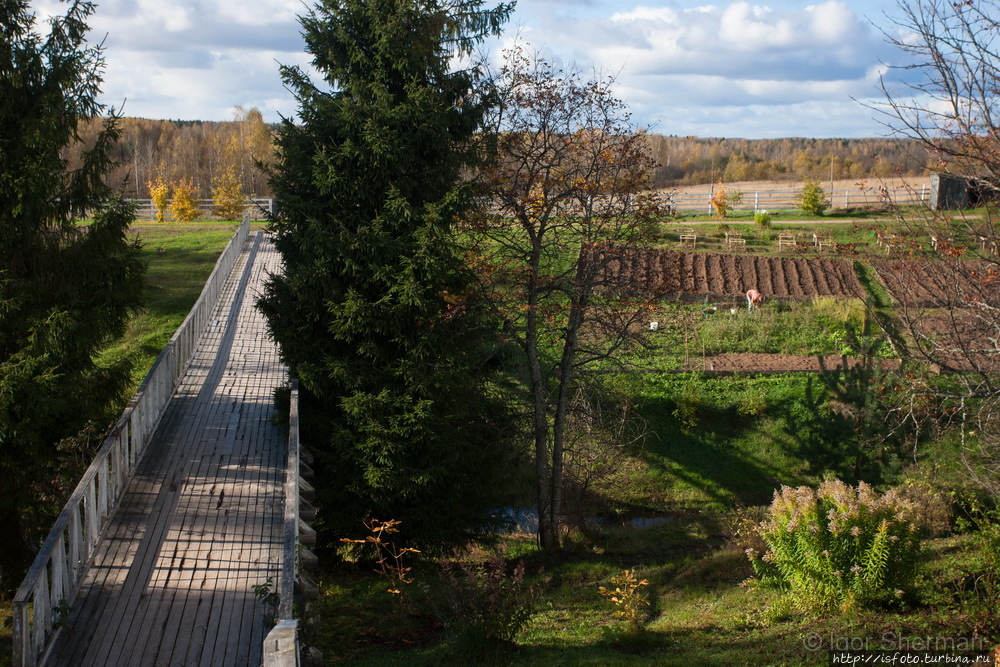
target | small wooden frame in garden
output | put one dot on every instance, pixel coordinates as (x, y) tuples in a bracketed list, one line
[(786, 241), (687, 237)]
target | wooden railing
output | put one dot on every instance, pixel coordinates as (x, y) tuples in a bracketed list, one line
[(256, 208), (54, 578), (282, 646)]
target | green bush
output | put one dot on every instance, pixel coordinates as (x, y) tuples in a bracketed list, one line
[(978, 592), (762, 219), (841, 546), (813, 199)]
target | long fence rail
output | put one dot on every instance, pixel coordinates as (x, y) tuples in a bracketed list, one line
[(53, 580), (281, 646), (788, 199), (256, 208)]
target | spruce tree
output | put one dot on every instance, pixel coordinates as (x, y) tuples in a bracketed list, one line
[(374, 311), (65, 289)]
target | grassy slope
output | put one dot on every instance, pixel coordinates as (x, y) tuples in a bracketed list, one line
[(180, 258)]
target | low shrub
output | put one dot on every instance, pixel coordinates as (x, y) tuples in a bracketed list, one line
[(484, 602), (841, 546), (762, 219), (628, 599), (978, 593)]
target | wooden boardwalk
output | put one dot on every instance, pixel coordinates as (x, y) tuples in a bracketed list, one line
[(200, 525)]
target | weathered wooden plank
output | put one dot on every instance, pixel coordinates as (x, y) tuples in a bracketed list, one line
[(179, 592)]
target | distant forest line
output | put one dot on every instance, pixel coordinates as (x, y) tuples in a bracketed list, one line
[(202, 151), (693, 160)]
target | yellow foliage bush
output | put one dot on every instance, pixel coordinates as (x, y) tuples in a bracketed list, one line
[(230, 202), (159, 192), (184, 205)]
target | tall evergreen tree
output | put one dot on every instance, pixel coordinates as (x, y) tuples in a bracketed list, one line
[(64, 289), (374, 310)]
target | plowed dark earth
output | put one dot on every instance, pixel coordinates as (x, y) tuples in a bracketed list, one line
[(940, 284), (693, 276), (679, 274)]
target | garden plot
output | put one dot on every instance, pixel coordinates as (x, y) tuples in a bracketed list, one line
[(690, 274)]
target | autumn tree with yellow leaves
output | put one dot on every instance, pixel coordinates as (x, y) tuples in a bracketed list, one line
[(184, 205)]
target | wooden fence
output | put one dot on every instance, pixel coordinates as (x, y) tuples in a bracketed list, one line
[(257, 209), (54, 578), (787, 200)]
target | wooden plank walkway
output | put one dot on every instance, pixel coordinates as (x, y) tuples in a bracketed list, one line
[(171, 582)]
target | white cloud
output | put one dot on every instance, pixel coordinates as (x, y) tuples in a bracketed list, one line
[(679, 62), (676, 60)]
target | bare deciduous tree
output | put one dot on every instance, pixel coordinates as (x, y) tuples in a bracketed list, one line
[(567, 194), (946, 304), (945, 95)]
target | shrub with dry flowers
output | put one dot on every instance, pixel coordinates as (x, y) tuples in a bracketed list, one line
[(842, 546)]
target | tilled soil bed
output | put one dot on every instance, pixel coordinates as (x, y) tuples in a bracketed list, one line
[(940, 284), (672, 273)]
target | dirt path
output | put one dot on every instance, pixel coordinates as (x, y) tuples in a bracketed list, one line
[(730, 364)]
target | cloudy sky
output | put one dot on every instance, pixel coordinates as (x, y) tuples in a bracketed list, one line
[(723, 68)]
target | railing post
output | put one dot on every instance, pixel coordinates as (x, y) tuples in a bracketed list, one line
[(41, 613), (22, 653), (75, 535)]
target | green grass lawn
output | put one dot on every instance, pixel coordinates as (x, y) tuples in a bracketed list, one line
[(180, 257), (853, 233)]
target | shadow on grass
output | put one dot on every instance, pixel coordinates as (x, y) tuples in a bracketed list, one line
[(710, 449)]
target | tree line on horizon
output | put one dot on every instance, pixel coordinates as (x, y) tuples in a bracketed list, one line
[(201, 151), (695, 160)]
